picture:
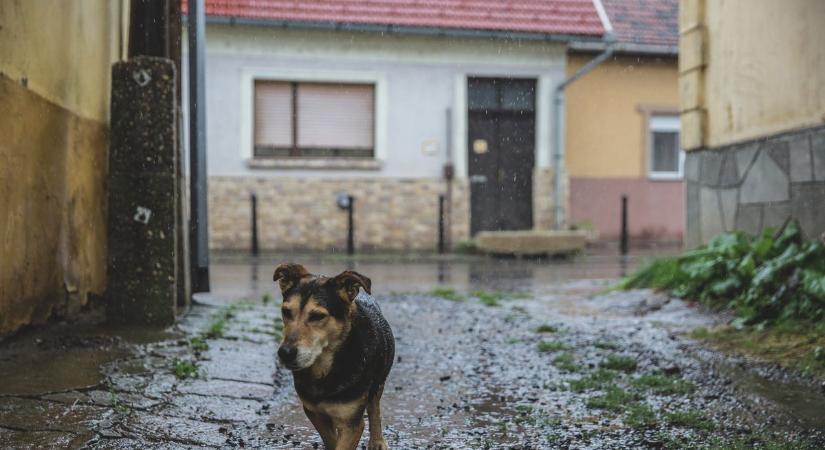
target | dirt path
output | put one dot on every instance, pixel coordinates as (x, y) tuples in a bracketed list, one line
[(552, 368)]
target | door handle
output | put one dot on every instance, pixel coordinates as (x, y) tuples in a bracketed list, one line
[(478, 179)]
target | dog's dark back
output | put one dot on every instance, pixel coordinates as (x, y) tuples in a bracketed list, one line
[(362, 363)]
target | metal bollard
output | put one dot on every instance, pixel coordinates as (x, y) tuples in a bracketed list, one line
[(254, 200), (441, 223), (624, 238)]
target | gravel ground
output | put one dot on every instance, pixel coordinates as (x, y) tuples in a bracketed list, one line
[(569, 369)]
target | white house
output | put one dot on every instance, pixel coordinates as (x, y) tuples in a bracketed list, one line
[(306, 100)]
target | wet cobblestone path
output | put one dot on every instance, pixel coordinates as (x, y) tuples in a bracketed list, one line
[(489, 363)]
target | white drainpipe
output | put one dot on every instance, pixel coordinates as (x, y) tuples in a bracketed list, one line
[(558, 114)]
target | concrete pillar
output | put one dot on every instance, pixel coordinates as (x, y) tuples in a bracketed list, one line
[(142, 270)]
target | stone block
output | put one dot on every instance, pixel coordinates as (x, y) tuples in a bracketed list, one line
[(801, 164), (692, 165), (693, 129), (142, 273), (765, 182), (711, 168), (818, 155), (778, 151), (531, 242), (808, 207), (711, 215), (775, 214), (728, 199), (729, 174), (691, 50), (744, 158), (749, 219), (693, 210)]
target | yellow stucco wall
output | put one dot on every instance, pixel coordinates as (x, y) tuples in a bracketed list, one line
[(751, 68), (604, 120), (55, 59)]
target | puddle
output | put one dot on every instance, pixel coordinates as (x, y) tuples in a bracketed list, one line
[(804, 403)]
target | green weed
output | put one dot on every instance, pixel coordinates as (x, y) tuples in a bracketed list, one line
[(615, 399), (184, 369), (689, 419), (640, 415), (546, 328), (567, 362), (663, 385), (447, 293), (595, 380), (551, 346), (619, 362)]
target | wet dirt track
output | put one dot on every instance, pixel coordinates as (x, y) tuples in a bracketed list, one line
[(607, 371)]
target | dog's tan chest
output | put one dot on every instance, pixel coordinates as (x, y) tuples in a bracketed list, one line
[(340, 411)]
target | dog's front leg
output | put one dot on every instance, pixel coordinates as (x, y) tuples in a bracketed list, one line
[(349, 433), (323, 424), (377, 441)]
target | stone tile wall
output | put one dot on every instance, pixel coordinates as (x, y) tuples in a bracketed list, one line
[(757, 184)]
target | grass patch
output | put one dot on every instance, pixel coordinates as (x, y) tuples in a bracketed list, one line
[(793, 345), (198, 345), (552, 346), (266, 298), (640, 415), (663, 385), (615, 399), (447, 293), (488, 298), (184, 369), (597, 379), (619, 362), (605, 345), (566, 361), (546, 328), (689, 419)]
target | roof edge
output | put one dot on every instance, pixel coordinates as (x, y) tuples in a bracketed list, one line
[(404, 30), (625, 47)]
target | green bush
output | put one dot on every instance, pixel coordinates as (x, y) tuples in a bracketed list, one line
[(775, 276)]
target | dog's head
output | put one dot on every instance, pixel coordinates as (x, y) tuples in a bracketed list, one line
[(317, 312)]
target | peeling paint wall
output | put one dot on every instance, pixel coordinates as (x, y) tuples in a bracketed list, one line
[(55, 60)]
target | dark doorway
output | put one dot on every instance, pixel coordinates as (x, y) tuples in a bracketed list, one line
[(501, 153)]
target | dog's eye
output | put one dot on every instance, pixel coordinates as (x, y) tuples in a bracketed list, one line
[(287, 314), (315, 317)]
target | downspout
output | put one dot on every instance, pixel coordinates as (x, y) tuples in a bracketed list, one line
[(558, 114)]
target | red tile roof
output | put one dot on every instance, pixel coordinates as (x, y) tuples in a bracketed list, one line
[(650, 22), (574, 17)]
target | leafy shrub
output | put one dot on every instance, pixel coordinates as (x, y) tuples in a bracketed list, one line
[(775, 276)]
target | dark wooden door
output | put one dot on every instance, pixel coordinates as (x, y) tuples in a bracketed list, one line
[(501, 140)]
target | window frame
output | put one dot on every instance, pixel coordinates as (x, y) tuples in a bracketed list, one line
[(664, 123), (249, 75), (296, 151)]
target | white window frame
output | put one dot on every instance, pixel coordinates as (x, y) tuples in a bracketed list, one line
[(251, 74), (663, 123)]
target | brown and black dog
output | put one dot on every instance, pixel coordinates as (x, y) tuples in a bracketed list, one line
[(340, 350)]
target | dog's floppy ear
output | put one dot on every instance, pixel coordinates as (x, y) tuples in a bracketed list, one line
[(348, 282), (288, 274)]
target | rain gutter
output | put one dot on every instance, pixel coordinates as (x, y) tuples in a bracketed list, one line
[(401, 29), (558, 113)]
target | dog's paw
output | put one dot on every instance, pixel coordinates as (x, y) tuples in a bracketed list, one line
[(377, 445)]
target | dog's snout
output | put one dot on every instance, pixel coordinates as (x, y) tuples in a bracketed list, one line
[(288, 353)]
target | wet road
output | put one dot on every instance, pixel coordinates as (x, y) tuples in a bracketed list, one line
[(521, 354)]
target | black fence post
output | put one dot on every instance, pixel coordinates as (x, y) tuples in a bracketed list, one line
[(351, 226), (441, 223), (624, 238), (254, 201)]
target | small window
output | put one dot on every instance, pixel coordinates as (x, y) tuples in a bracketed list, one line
[(666, 157), (322, 120)]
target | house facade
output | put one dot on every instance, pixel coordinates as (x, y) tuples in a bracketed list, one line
[(622, 122), (395, 105), (753, 115)]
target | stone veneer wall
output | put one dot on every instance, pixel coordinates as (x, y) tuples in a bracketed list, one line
[(301, 214), (757, 184), (543, 198)]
